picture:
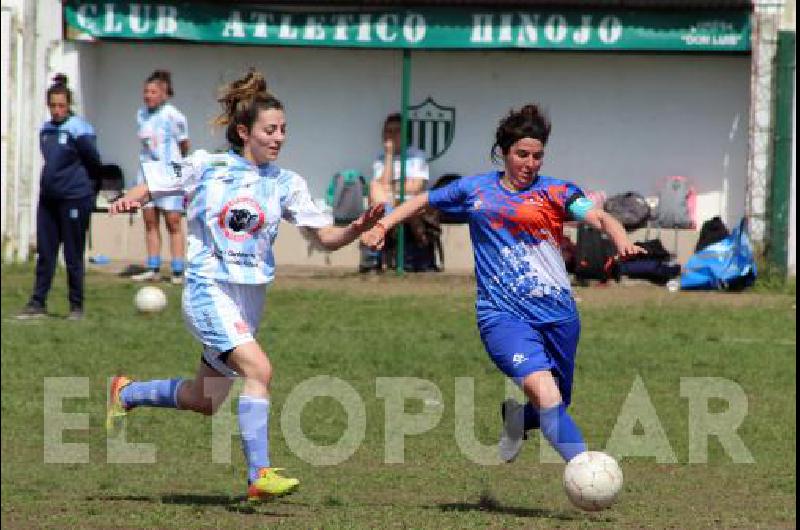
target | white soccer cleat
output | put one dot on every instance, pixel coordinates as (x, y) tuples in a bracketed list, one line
[(146, 276), (513, 434)]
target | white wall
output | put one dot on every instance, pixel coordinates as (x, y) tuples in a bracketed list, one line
[(621, 122)]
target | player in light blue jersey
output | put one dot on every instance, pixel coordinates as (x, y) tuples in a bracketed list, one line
[(163, 138), (527, 317), (236, 201)]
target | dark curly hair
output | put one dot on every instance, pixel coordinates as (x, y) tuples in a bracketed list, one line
[(162, 76), (527, 122)]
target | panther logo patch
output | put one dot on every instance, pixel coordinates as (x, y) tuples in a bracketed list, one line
[(241, 218)]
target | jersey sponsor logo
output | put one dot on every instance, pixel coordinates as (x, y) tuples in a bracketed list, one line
[(431, 128), (176, 170), (240, 218)]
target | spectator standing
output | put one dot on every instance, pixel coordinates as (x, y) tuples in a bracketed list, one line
[(164, 137), (71, 160)]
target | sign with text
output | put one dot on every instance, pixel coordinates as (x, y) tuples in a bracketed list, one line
[(424, 28)]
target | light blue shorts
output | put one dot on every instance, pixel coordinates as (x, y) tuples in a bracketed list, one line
[(222, 316)]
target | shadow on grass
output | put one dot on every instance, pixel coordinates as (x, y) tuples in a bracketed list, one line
[(231, 504), (489, 504)]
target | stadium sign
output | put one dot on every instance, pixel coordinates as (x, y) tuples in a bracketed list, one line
[(438, 28)]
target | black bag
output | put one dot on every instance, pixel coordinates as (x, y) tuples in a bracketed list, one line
[(630, 209), (108, 181), (595, 259), (713, 230), (654, 270), (655, 251), (423, 250)]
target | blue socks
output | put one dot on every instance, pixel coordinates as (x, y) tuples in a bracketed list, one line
[(153, 262), (177, 266), (156, 393), (253, 425), (560, 430)]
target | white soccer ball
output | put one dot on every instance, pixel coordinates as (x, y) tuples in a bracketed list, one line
[(150, 299), (592, 480)]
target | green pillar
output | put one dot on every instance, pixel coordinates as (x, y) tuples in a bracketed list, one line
[(782, 169), (406, 89)]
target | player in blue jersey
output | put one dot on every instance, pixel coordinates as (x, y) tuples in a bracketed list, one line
[(163, 136), (236, 201), (66, 196), (527, 317)]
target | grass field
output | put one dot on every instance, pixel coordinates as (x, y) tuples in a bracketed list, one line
[(360, 329)]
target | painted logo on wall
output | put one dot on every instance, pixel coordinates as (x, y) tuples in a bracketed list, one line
[(432, 127)]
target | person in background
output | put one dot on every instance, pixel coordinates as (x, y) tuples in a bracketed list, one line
[(385, 185), (164, 137), (66, 194)]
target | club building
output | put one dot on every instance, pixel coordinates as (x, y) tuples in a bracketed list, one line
[(637, 91)]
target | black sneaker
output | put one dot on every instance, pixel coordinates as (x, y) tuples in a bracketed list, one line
[(32, 311), (76, 313)]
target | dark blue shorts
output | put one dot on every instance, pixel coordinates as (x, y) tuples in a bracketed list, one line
[(519, 348)]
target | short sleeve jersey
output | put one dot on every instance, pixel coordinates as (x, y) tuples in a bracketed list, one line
[(516, 239), (233, 212), (416, 165), (160, 132)]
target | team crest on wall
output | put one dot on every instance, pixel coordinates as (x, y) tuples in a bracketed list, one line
[(432, 127)]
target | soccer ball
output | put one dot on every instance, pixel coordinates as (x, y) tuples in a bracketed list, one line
[(592, 480), (150, 299)]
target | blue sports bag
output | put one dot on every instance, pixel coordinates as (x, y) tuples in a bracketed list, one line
[(728, 264)]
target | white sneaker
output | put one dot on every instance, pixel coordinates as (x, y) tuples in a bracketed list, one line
[(147, 276), (176, 279), (513, 434)]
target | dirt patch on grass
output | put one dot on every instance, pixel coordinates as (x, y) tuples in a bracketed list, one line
[(433, 284)]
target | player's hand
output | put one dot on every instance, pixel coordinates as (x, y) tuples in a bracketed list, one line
[(368, 219), (629, 249), (375, 238), (124, 205)]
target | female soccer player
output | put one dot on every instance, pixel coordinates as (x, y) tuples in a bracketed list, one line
[(527, 318), (66, 197), (235, 203), (163, 136)]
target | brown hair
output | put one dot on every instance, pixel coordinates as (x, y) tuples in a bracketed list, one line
[(241, 102), (162, 76), (527, 122), (59, 86), (394, 117)]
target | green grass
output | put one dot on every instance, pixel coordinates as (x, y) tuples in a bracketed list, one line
[(358, 331)]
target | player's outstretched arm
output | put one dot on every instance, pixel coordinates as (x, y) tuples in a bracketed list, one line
[(606, 222), (335, 237), (376, 237), (131, 201)]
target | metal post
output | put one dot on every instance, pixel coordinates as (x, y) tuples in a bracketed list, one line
[(406, 89), (780, 185)]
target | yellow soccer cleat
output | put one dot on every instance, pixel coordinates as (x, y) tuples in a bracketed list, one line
[(271, 484), (115, 409)]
